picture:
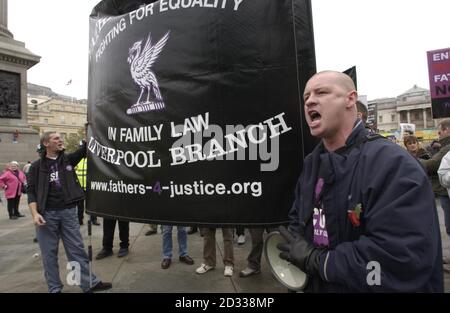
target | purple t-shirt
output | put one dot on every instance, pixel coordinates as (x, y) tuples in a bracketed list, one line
[(319, 222)]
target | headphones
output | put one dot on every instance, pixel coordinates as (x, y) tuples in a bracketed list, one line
[(40, 148)]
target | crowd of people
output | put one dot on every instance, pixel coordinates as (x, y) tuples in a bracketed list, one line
[(359, 199)]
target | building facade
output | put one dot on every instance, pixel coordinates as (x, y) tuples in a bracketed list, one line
[(48, 111), (412, 107)]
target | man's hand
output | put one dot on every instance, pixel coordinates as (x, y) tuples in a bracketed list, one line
[(38, 219), (299, 252)]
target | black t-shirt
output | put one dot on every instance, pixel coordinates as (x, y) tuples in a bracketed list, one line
[(55, 197)]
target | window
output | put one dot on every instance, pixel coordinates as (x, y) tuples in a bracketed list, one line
[(45, 120), (380, 119), (403, 116), (393, 117), (417, 115)]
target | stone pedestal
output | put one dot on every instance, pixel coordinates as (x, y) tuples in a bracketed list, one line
[(15, 60)]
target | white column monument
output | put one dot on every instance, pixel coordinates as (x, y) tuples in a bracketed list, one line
[(15, 60)]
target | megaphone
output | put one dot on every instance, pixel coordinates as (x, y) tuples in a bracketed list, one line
[(285, 272)]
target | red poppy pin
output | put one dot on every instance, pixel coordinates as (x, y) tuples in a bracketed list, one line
[(354, 215)]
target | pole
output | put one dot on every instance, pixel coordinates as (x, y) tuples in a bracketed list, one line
[(90, 252)]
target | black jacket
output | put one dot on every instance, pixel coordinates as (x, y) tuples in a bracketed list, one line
[(38, 179), (398, 227)]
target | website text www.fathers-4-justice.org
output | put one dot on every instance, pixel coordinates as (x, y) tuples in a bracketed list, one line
[(196, 188)]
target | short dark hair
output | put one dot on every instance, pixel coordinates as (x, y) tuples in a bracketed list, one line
[(409, 139), (46, 136), (361, 108)]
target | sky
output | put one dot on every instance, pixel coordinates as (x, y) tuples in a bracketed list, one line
[(386, 40)]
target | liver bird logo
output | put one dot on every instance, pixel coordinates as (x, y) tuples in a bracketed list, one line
[(141, 61)]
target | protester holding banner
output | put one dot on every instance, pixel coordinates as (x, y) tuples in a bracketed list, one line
[(53, 191), (209, 251), (109, 225), (167, 246), (364, 217)]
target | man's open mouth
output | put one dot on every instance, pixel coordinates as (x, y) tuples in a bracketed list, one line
[(314, 115)]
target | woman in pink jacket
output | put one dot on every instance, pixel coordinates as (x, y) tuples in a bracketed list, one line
[(11, 181)]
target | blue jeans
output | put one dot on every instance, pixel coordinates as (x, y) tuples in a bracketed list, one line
[(167, 241), (445, 204), (63, 224)]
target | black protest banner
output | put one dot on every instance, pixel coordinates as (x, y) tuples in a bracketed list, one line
[(352, 73), (195, 109)]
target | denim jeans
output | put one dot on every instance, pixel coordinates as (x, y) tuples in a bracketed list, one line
[(445, 204), (63, 224), (167, 241)]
